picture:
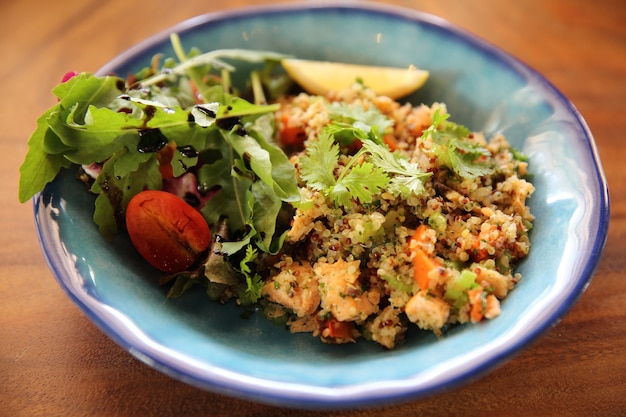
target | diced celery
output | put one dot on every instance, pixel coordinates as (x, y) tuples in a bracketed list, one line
[(466, 279), (438, 222), (397, 284), (460, 285)]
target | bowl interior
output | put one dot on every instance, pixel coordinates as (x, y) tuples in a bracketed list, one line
[(227, 349)]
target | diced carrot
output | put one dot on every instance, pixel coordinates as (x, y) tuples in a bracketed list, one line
[(336, 329), (422, 265), (291, 135), (476, 302), (477, 253), (418, 130), (420, 234), (391, 141)]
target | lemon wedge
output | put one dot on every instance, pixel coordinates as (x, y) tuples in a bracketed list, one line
[(320, 77)]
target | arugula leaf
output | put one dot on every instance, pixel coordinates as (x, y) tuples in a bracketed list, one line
[(46, 149), (254, 282), (284, 181), (231, 198), (260, 207), (265, 210), (86, 90), (257, 158), (238, 107), (40, 165), (182, 284), (100, 130), (140, 171), (453, 148), (195, 66)]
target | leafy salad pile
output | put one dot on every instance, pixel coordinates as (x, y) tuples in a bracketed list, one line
[(184, 116), (125, 124)]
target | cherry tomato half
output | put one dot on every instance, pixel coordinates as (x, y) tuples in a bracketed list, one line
[(166, 231)]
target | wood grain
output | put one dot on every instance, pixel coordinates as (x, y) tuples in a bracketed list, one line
[(54, 362)]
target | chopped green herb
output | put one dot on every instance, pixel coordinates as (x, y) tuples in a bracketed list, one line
[(454, 149), (359, 180)]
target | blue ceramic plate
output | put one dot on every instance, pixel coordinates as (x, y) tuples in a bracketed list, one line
[(216, 347)]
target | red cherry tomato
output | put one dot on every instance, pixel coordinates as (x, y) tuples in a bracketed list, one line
[(166, 231)]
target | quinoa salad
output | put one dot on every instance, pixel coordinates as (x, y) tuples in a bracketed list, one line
[(348, 215), (430, 260)]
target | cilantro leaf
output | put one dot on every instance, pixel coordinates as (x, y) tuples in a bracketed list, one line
[(345, 133), (318, 164), (361, 182), (371, 121), (454, 149), (371, 170), (463, 159), (406, 178)]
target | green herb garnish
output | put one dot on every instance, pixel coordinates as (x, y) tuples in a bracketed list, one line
[(454, 149)]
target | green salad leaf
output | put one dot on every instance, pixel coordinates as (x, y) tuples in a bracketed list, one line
[(125, 129), (47, 147)]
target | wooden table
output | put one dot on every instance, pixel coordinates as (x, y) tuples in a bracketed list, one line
[(55, 362)]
